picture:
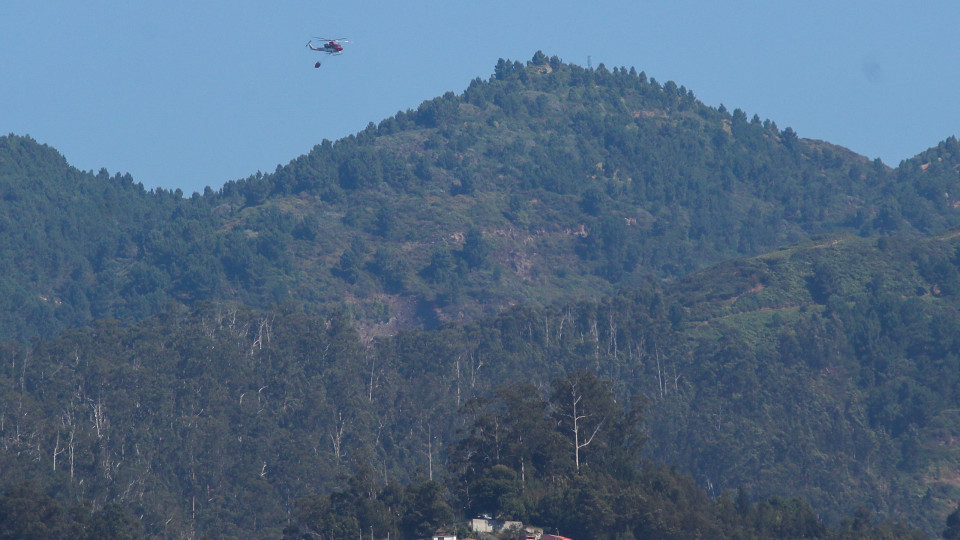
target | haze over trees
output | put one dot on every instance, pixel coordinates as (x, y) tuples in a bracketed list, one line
[(575, 297)]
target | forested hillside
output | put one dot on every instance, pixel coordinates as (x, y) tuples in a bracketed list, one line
[(66, 238), (546, 182), (390, 333), (827, 372)]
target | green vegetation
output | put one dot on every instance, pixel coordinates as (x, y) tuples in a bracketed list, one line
[(222, 417), (570, 460), (389, 334), (544, 183)]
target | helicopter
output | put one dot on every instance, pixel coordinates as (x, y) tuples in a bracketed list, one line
[(332, 46)]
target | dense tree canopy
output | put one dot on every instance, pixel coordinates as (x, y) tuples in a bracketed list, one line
[(530, 299), (547, 181), (746, 376)]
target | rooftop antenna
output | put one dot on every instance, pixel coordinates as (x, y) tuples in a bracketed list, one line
[(589, 63)]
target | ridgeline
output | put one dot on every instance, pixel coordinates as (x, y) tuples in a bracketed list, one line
[(772, 316)]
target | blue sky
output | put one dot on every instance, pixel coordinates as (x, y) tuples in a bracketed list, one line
[(188, 94)]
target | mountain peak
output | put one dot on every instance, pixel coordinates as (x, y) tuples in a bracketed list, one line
[(570, 181)]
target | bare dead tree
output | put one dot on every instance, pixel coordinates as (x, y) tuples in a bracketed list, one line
[(260, 398), (23, 377), (475, 366), (380, 426), (577, 415), (546, 328), (71, 445), (336, 436), (566, 314), (594, 331), (612, 344), (264, 332), (373, 377), (231, 317), (640, 348), (429, 452), (457, 364), (659, 371), (57, 451), (97, 418)]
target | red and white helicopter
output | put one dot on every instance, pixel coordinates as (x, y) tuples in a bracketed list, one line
[(332, 46)]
